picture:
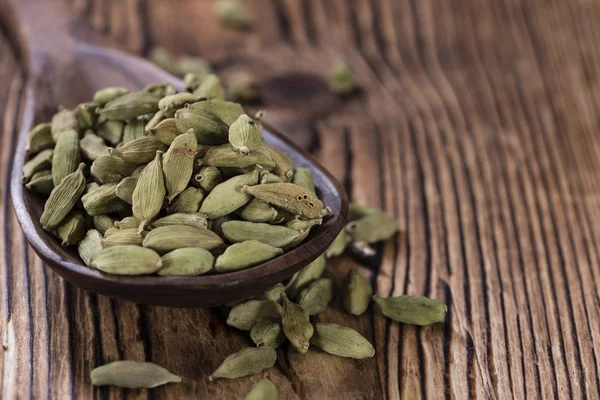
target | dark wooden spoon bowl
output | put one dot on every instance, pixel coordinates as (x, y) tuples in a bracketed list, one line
[(63, 70)]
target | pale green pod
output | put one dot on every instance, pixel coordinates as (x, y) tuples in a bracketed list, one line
[(338, 246), (127, 260), (124, 237), (192, 80), (263, 390), (132, 375), (90, 246), (413, 310), (127, 223), (129, 106), (273, 235), (273, 293), (72, 229), (160, 90), (269, 177), (165, 131), (233, 14), (207, 178), (139, 151), (226, 156), (188, 261), (210, 88), (187, 201), (63, 198), (178, 164), (357, 211), (284, 167), (41, 182), (103, 222), (243, 86), (134, 129), (208, 128), (267, 333), (341, 79), (111, 131), (303, 177), (356, 292), (225, 111), (227, 197), (66, 155), (90, 187), (316, 297), (302, 226), (197, 220), (306, 275), (196, 66), (155, 120), (86, 116), (245, 254), (244, 316), (172, 237), (63, 120), (93, 146), (249, 361), (341, 341), (258, 211), (111, 169), (245, 135), (372, 228), (290, 197), (108, 94), (296, 325), (40, 162), (149, 193), (169, 104), (137, 172), (125, 188), (103, 200), (39, 138)]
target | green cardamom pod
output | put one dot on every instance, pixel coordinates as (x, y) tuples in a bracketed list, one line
[(372, 228), (316, 297), (303, 177), (165, 131), (92, 146), (63, 120), (86, 115), (108, 94), (356, 292), (267, 333), (258, 211), (171, 237), (132, 375), (160, 89), (243, 86), (187, 201), (127, 260), (111, 131), (127, 223), (40, 162), (149, 193), (226, 156), (338, 246), (413, 310), (186, 262), (227, 197), (296, 325), (191, 80), (249, 361), (216, 225), (268, 177), (273, 293), (341, 80), (244, 316), (108, 169), (125, 188), (208, 128), (90, 246), (169, 104), (103, 222), (207, 178), (155, 120), (263, 390), (139, 151), (41, 182), (66, 155), (245, 135), (129, 106), (341, 341), (302, 278), (124, 237), (210, 88), (178, 164), (138, 171), (195, 66), (357, 211), (284, 167), (225, 111), (245, 254), (290, 197), (273, 235), (38, 139), (134, 129), (72, 229), (103, 200), (62, 199), (233, 14), (197, 220)]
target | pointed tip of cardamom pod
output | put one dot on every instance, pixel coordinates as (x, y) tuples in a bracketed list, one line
[(244, 150), (24, 179), (189, 131), (64, 243), (143, 224), (284, 296), (245, 189), (210, 378)]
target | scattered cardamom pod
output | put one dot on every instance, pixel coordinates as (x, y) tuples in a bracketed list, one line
[(127, 260), (288, 196), (356, 292), (316, 297), (263, 390), (273, 293), (273, 235), (413, 310), (267, 333), (39, 138), (148, 195), (245, 254), (296, 325), (172, 237), (90, 246), (132, 375), (302, 278), (338, 246), (62, 199), (249, 361), (341, 80), (186, 262), (372, 228), (357, 211), (233, 14), (341, 341), (245, 315)]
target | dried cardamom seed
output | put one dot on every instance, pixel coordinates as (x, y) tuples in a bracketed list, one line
[(124, 237), (139, 151), (303, 177), (197, 220), (107, 169), (288, 196), (90, 246), (129, 106), (102, 223), (111, 131), (132, 375), (165, 131), (127, 223), (273, 235), (207, 178), (187, 201), (39, 138), (63, 198), (86, 115), (267, 333), (245, 135), (356, 292), (178, 164), (127, 260), (41, 182), (372, 228), (72, 229), (227, 197), (103, 200), (258, 211), (171, 237), (186, 262), (226, 156), (210, 88), (245, 254), (244, 316), (315, 298), (92, 146), (233, 14), (63, 120), (296, 325), (284, 167), (66, 155), (148, 195), (41, 161), (108, 94), (300, 279), (125, 188), (341, 341), (413, 310), (338, 246), (249, 361)]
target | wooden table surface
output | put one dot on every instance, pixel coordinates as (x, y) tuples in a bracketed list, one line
[(477, 127)]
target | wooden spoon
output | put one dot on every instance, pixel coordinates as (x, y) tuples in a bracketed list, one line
[(64, 70)]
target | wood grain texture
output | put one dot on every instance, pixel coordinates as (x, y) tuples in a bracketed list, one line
[(476, 127)]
